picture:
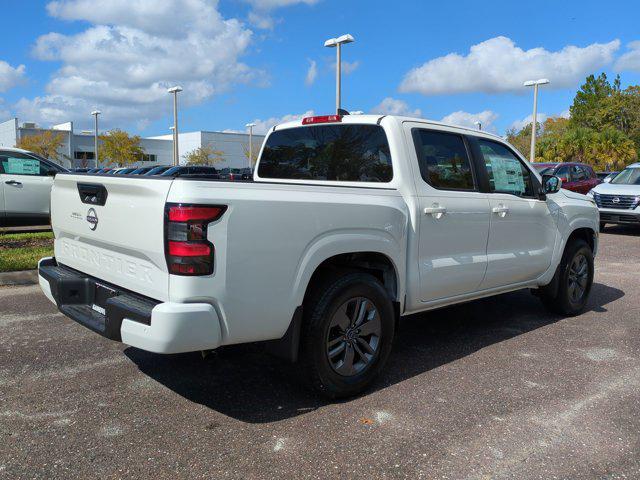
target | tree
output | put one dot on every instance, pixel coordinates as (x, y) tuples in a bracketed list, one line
[(252, 159), (117, 147), (45, 144), (588, 102), (204, 155)]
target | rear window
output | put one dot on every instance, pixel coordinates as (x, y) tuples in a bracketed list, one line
[(348, 153)]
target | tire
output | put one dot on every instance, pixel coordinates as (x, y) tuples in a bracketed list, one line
[(343, 352), (574, 278), (602, 226)]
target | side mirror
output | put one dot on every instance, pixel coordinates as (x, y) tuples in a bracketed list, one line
[(51, 173), (551, 184)]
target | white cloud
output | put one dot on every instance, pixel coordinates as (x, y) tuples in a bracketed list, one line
[(263, 126), (466, 119), (260, 16), (312, 73), (135, 49), (10, 76), (347, 67), (541, 118), (631, 59), (518, 125), (393, 106), (498, 65)]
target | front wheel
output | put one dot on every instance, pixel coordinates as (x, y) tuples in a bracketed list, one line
[(574, 279), (347, 334)]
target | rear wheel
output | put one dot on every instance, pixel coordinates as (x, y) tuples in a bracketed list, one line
[(574, 278), (347, 334)]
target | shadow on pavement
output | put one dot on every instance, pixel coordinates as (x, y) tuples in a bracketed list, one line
[(245, 383), (629, 230)]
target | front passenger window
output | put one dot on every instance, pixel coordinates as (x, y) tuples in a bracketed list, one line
[(506, 172), (17, 164)]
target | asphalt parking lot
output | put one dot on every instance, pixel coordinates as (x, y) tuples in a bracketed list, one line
[(496, 388)]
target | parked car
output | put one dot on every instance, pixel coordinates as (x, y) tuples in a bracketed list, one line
[(122, 170), (619, 199), (141, 170), (182, 170), (351, 222), (158, 170), (577, 177), (236, 174), (25, 186), (81, 170)]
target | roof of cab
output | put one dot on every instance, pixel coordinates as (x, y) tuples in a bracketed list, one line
[(14, 149), (373, 119)]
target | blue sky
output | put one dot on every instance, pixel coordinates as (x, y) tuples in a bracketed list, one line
[(249, 60)]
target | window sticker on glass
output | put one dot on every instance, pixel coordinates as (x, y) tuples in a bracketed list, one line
[(507, 174), (22, 166)]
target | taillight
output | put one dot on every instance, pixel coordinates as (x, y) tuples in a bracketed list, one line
[(322, 119), (187, 248)]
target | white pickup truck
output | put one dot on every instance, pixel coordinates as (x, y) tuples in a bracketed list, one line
[(350, 223)]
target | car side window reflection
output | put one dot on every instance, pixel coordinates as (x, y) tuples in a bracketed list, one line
[(443, 160)]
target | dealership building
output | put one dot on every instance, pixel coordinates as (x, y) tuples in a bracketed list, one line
[(77, 150)]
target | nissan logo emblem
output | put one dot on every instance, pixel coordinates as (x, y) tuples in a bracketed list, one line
[(92, 218), (615, 200)]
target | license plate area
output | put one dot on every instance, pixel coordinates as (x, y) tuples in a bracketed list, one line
[(101, 294)]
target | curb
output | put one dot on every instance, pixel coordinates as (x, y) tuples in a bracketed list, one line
[(24, 277)]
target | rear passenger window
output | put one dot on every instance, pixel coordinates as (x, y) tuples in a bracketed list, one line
[(346, 152), (443, 160), (507, 174)]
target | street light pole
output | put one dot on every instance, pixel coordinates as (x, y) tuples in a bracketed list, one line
[(337, 44), (250, 126), (95, 113), (175, 90), (535, 84), (478, 124)]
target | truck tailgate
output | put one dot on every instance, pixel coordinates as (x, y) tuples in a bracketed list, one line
[(112, 228)]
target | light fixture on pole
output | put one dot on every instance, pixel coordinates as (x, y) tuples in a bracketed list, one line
[(95, 113), (337, 43), (534, 123), (478, 124), (174, 91), (250, 127)]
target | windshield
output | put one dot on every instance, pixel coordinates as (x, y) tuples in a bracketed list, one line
[(629, 176)]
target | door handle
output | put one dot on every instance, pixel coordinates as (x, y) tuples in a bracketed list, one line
[(436, 210), (13, 182), (501, 210)]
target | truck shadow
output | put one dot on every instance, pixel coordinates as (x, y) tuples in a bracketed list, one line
[(245, 383), (629, 230)]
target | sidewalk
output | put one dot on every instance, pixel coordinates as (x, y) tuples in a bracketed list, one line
[(26, 229)]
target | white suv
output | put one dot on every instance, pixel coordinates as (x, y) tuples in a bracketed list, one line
[(619, 200)]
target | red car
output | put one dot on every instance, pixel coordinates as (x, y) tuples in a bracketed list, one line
[(576, 177)]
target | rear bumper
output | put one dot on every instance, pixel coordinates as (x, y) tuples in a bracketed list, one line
[(127, 317)]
